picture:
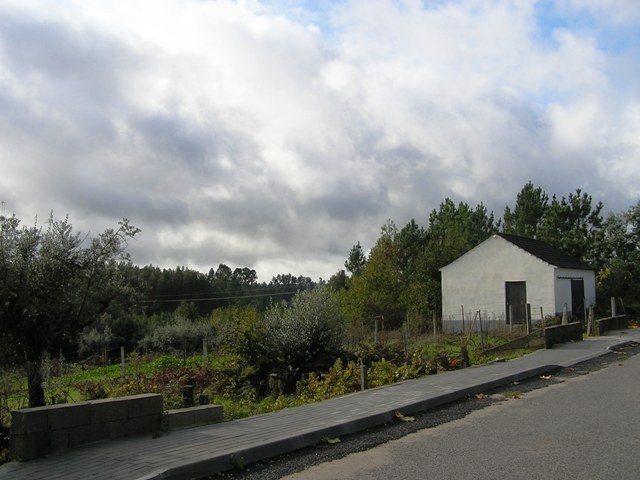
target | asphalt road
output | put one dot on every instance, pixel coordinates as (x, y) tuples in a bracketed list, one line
[(580, 426)]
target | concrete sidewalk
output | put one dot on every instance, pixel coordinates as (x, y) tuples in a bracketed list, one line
[(196, 452)]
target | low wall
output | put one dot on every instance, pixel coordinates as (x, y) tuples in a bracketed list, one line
[(611, 323), (193, 416), (41, 430), (562, 333), (533, 340)]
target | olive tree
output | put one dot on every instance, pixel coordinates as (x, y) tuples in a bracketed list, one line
[(54, 282), (304, 334)]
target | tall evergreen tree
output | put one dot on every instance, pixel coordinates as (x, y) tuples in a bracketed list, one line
[(528, 213)]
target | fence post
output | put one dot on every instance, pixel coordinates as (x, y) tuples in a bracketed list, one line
[(613, 306), (205, 354), (405, 335), (481, 332), (122, 362), (541, 317), (364, 377), (375, 329), (510, 317), (435, 326), (528, 318), (462, 307), (565, 314), (592, 322)]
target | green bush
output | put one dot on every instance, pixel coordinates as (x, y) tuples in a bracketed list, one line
[(302, 336), (108, 333), (239, 332), (92, 389), (181, 336), (339, 380), (367, 353)]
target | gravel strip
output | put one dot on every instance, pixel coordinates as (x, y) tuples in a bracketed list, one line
[(279, 467)]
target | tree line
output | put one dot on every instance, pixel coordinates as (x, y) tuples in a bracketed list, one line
[(165, 289), (399, 278)]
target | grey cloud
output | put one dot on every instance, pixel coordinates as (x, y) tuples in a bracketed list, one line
[(402, 126), (181, 143), (102, 198), (348, 200), (74, 69)]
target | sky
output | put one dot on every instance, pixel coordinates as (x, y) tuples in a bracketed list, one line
[(277, 134)]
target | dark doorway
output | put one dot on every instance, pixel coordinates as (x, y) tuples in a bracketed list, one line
[(577, 299), (516, 296)]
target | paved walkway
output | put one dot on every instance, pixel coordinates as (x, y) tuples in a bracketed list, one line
[(194, 452)]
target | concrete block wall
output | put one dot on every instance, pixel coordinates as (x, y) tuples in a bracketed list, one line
[(41, 430), (562, 333), (188, 417), (611, 323)]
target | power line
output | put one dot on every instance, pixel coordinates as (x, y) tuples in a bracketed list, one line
[(221, 298), (250, 290)]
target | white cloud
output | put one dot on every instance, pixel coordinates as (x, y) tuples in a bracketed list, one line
[(277, 134)]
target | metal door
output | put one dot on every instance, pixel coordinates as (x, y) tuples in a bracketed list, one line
[(577, 299), (516, 302)]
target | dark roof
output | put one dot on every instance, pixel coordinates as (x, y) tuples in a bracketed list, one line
[(546, 252)]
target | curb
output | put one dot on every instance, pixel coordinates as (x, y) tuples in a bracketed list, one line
[(229, 460)]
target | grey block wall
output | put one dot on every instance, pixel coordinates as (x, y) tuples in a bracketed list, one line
[(188, 417), (42, 430)]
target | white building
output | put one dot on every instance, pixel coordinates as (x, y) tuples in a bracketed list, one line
[(504, 273)]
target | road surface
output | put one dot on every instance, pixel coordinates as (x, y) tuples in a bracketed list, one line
[(585, 427)]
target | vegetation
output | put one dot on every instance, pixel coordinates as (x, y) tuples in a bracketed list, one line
[(230, 380), (400, 277), (53, 283), (285, 342)]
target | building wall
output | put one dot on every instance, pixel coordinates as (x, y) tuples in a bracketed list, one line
[(477, 281), (562, 288)]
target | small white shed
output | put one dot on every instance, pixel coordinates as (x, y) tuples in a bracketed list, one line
[(504, 273)]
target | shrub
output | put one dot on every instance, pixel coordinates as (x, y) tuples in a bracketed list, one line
[(238, 331), (181, 336), (339, 380), (367, 353), (108, 332), (304, 335), (92, 389), (95, 340)]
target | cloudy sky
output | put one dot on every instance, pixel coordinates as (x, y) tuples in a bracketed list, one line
[(276, 134)]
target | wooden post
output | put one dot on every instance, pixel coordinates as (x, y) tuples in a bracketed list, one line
[(122, 362), (481, 332), (511, 317), (613, 306), (405, 336), (528, 318), (435, 326), (205, 355), (565, 314), (462, 307), (592, 322), (364, 377), (375, 329), (541, 317)]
